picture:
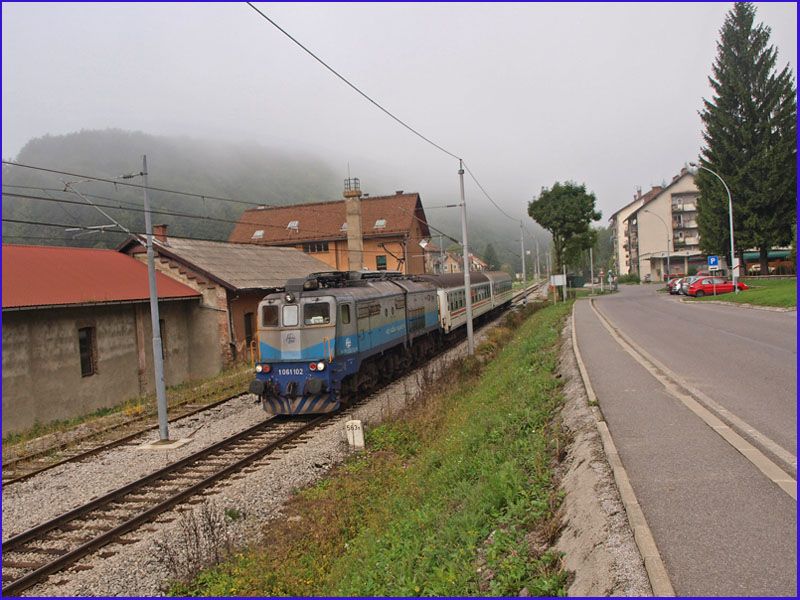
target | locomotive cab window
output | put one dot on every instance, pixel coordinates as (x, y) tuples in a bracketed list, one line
[(345, 310), (316, 313), (269, 315), (290, 315)]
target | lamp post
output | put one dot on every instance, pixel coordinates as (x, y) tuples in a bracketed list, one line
[(693, 168), (668, 236)]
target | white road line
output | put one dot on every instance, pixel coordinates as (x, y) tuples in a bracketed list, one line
[(701, 405)]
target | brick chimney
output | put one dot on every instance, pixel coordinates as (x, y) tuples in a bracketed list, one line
[(355, 240), (160, 233)]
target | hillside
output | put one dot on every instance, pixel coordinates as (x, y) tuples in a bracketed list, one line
[(243, 171)]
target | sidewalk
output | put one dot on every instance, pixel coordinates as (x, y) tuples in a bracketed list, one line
[(721, 527)]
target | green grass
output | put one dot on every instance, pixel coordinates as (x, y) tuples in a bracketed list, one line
[(207, 390), (763, 292), (458, 497)]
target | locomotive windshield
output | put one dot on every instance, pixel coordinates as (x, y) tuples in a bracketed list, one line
[(269, 315), (290, 315), (316, 313)]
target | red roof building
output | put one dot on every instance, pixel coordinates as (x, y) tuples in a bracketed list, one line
[(392, 228), (46, 276)]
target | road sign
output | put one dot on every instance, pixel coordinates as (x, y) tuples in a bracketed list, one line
[(713, 261)]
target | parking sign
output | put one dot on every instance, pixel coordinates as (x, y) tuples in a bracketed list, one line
[(713, 262)]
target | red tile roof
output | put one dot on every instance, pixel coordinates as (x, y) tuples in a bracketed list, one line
[(53, 275), (322, 221)]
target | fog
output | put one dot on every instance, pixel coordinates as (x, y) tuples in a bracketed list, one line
[(527, 94)]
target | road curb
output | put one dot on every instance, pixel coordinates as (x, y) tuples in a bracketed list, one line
[(741, 305), (654, 565)]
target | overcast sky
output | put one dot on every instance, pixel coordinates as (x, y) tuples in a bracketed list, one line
[(527, 94)]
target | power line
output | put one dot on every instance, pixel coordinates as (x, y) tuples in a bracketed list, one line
[(353, 86), (133, 185), (138, 233), (191, 216), (485, 193)]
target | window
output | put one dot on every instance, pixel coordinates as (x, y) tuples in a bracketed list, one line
[(290, 315), (380, 224), (248, 328), (257, 234), (86, 345), (316, 313), (315, 247), (380, 262), (269, 316), (162, 331), (345, 314), (294, 225)]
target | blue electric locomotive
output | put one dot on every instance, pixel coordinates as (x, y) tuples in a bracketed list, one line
[(330, 335)]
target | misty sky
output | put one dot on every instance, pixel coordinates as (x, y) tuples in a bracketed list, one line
[(527, 94)]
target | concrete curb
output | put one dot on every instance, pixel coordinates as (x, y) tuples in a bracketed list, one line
[(654, 565), (741, 305)]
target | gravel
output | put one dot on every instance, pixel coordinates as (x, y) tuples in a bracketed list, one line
[(193, 531)]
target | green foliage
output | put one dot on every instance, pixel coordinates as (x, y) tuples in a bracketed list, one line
[(750, 140), (490, 256), (446, 501), (629, 278), (566, 211)]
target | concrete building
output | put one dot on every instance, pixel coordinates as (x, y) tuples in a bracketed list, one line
[(619, 237), (232, 278), (665, 225), (77, 333), (392, 228)]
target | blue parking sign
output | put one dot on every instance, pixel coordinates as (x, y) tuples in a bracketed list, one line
[(713, 261)]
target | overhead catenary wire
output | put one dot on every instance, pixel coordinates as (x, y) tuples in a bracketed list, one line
[(200, 217), (352, 85)]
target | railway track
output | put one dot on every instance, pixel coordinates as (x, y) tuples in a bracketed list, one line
[(24, 467), (56, 544), (33, 555)]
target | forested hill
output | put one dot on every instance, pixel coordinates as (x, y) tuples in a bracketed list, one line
[(243, 171)]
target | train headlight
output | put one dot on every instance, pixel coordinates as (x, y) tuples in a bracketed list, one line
[(263, 368), (320, 366), (259, 368)]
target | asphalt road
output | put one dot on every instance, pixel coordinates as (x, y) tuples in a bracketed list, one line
[(721, 526)]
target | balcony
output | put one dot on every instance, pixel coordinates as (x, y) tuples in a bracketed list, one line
[(684, 207)]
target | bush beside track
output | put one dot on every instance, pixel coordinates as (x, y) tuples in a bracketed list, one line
[(457, 497)]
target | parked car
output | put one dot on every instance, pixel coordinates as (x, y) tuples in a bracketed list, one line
[(687, 281), (706, 286), (674, 285)]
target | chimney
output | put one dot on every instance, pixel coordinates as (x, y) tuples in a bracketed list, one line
[(160, 233), (355, 241), (399, 192)]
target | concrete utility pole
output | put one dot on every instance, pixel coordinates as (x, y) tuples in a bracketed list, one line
[(538, 271), (467, 285), (522, 249), (591, 269), (158, 360)]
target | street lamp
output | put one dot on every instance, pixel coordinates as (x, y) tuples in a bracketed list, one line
[(669, 271), (693, 169)]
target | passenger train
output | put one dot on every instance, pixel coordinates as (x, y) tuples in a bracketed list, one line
[(326, 337)]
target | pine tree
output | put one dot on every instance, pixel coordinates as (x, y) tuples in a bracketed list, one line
[(750, 140), (490, 257)]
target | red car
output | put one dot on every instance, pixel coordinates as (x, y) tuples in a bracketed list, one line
[(708, 286)]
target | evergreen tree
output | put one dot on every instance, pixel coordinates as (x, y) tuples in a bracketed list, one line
[(490, 257), (750, 140)]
